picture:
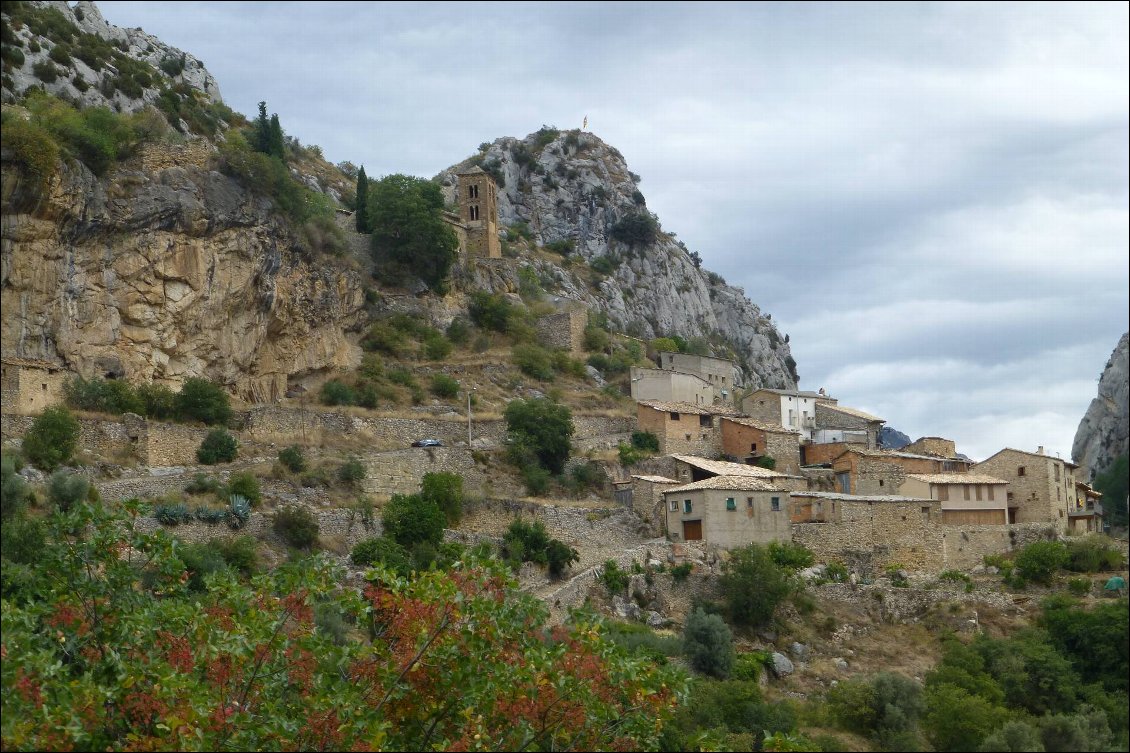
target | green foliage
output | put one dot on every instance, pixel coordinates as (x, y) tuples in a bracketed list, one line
[(1095, 641), (736, 718), (436, 347), (708, 644), (14, 491), (559, 556), (544, 428), (1039, 561), (269, 176), (245, 485), (535, 478), (1112, 483), (264, 643), (958, 721), (491, 311), (765, 461), (203, 401), (525, 542), (157, 401), (885, 707), (629, 455), (682, 571), (410, 519), (173, 514), (32, 145), (459, 332), (351, 473), (534, 360), (293, 458), (790, 556), (297, 526), (96, 136), (200, 559), (636, 229), (665, 344), (335, 392), (613, 578), (1015, 736), (218, 447), (749, 666), (753, 585), (642, 641), (836, 572), (408, 230), (239, 511), (1079, 586), (445, 491), (645, 440), (605, 265), (361, 202), (65, 490), (444, 386), (189, 111), (1092, 554), (384, 551), (52, 439), (204, 484)]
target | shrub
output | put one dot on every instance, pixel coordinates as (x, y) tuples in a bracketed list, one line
[(239, 511), (836, 572), (104, 396), (459, 331), (645, 440), (239, 552), (534, 360), (536, 480), (445, 490), (588, 475), (351, 472), (748, 666), (293, 459), (753, 585), (436, 347), (65, 489), (31, 145), (636, 229), (384, 551), (490, 311), (1039, 561), (157, 401), (52, 439), (200, 559), (203, 484), (204, 401), (14, 491), (1092, 554), (604, 265), (410, 519), (766, 462), (629, 455), (542, 426), (245, 485), (613, 578), (335, 392), (218, 447), (790, 556), (559, 556), (297, 526), (1079, 586), (444, 386), (708, 644), (682, 571)]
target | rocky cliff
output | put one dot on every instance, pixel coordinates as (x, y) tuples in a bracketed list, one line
[(167, 273), (1102, 434), (57, 47), (571, 189)]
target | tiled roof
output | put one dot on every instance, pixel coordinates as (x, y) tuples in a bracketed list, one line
[(729, 483), (656, 479), (955, 478), (859, 497), (794, 393), (852, 412), (1033, 454), (698, 410), (725, 468), (762, 425), (897, 454)]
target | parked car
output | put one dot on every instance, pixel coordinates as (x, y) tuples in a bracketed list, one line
[(427, 443)]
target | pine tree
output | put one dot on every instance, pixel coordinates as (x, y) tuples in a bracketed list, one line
[(275, 143), (362, 214), (262, 130)]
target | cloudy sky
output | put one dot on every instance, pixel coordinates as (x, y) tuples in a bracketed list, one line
[(932, 200)]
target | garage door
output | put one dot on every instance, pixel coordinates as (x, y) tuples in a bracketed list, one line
[(692, 530), (973, 517)]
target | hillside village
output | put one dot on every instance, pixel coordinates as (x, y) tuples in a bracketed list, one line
[(568, 460)]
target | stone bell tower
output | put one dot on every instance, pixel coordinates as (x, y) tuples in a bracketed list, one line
[(478, 211)]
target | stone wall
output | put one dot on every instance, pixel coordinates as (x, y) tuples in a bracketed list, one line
[(103, 437), (825, 453), (402, 471), (600, 432), (158, 156), (170, 444), (647, 501), (564, 330), (932, 446)]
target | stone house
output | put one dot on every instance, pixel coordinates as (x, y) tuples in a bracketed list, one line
[(689, 468), (861, 471), (647, 500), (750, 439), (1041, 488), (683, 427), (792, 409), (28, 385), (478, 212), (720, 373), (671, 386), (966, 498), (728, 511), (838, 423), (564, 329), (1086, 515)]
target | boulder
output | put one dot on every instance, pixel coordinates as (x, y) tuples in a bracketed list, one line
[(799, 650), (781, 665)]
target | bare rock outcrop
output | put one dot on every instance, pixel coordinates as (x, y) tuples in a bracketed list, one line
[(1102, 435)]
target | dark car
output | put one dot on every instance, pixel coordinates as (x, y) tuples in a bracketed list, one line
[(427, 443)]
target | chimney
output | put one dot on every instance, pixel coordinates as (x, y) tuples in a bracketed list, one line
[(1040, 450)]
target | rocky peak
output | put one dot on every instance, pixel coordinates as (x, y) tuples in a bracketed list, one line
[(1102, 434), (571, 187), (100, 84)]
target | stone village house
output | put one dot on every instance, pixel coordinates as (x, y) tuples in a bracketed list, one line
[(1041, 488), (728, 511)]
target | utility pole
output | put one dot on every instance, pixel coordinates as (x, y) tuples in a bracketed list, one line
[(469, 391)]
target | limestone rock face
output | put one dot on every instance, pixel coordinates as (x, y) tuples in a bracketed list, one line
[(574, 187), (134, 43), (1102, 434), (162, 275)]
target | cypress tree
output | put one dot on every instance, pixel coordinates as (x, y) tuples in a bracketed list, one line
[(362, 213), (277, 148), (262, 131)]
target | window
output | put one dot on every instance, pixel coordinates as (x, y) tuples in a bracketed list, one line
[(706, 421), (990, 487), (943, 493), (673, 506), (1020, 471), (1056, 467), (1058, 493), (674, 416), (978, 488), (686, 505), (880, 482), (749, 502), (965, 490), (753, 446), (730, 504), (688, 436), (1009, 495), (475, 212), (44, 386), (775, 504)]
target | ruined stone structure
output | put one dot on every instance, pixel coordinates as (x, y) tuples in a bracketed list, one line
[(749, 439), (647, 500), (945, 448), (1041, 488), (30, 385), (156, 156), (565, 329), (478, 212)]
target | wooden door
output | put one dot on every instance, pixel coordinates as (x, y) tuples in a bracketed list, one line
[(692, 530)]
